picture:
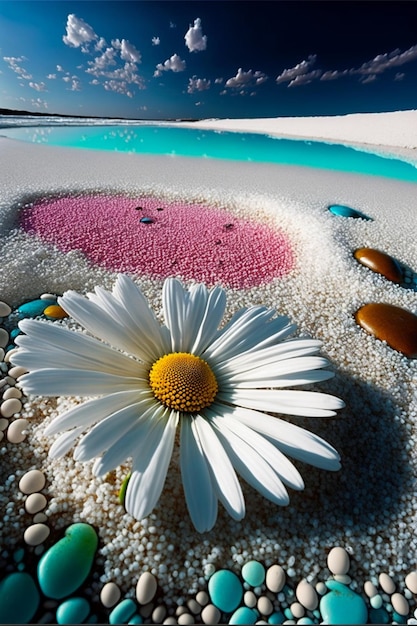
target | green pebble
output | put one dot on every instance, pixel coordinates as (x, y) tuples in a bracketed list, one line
[(225, 590), (34, 308), (72, 611), (253, 573), (379, 616), (276, 618), (244, 615), (19, 599), (122, 612), (66, 565), (342, 602)]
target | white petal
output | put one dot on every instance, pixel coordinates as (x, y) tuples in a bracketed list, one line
[(92, 411), (253, 468), (64, 443), (297, 442), (271, 371), (69, 382), (210, 321), (224, 478), (198, 488), (174, 299), (291, 380), (107, 431), (150, 466), (221, 418), (291, 402)]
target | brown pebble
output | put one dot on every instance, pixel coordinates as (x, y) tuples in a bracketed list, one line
[(380, 262), (393, 324)]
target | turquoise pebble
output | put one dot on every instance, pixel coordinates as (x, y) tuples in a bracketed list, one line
[(276, 618), (14, 333), (19, 599), (34, 308), (376, 601), (225, 590), (305, 620), (253, 573), (72, 611), (340, 602), (400, 619), (18, 555), (93, 619), (136, 619), (379, 616), (288, 613), (244, 615), (122, 613), (346, 211), (66, 565), (146, 220)]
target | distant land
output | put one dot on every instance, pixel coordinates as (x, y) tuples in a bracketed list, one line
[(15, 112)]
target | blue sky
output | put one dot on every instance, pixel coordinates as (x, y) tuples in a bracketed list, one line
[(201, 59)]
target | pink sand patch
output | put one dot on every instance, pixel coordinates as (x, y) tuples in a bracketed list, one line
[(187, 240)]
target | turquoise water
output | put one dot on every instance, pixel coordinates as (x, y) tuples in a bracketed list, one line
[(189, 142)]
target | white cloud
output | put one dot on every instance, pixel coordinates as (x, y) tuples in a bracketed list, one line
[(51, 76), (66, 79), (118, 87), (101, 44), (383, 62), (399, 76), (128, 51), (218, 81), (102, 62), (14, 65), (367, 79), (245, 79), (75, 85), (173, 64), (303, 68), (38, 86), (35, 102), (197, 84), (304, 79), (172, 25), (79, 33), (59, 68), (156, 41), (194, 38)]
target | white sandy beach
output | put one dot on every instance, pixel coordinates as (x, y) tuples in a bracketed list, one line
[(369, 506)]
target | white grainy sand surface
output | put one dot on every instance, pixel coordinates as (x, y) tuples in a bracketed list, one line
[(369, 506)]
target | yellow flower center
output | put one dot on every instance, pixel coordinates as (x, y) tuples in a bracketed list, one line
[(183, 382)]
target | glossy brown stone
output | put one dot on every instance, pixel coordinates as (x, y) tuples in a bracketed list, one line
[(380, 262), (396, 326)]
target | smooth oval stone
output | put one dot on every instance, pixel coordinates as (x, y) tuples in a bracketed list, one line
[(275, 578), (386, 583), (10, 407), (5, 310), (12, 392), (72, 611), (307, 595), (376, 601), (346, 211), (122, 612), (146, 220), (110, 595), (19, 598), (244, 615), (380, 262), (35, 502), (379, 616), (4, 337), (34, 307), (210, 614), (264, 606), (400, 604), (16, 432), (32, 481), (225, 590), (342, 604), (36, 534), (393, 324), (146, 588), (55, 312), (16, 371), (66, 565), (411, 582), (338, 561), (253, 573), (277, 617), (370, 589), (138, 619)]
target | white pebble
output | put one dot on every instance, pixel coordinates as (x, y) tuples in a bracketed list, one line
[(5, 310), (9, 355), (17, 371), (370, 589), (146, 588), (10, 407), (265, 606), (400, 604), (36, 534), (32, 481), (321, 588), (249, 599), (338, 561), (194, 606), (110, 595), (306, 595), (186, 618), (3, 423), (411, 581), (4, 337), (35, 502), (210, 614), (297, 610), (386, 583), (202, 598), (47, 296), (275, 578), (2, 353), (170, 620), (40, 518), (159, 614), (16, 431), (12, 392), (343, 578)]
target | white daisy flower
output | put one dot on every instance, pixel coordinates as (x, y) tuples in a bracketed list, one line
[(217, 385)]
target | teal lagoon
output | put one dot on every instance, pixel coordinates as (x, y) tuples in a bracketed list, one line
[(231, 146)]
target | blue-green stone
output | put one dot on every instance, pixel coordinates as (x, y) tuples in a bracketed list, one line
[(225, 590), (253, 573), (400, 619), (341, 602), (276, 618), (244, 615), (136, 619), (122, 612), (305, 620), (66, 565), (72, 611), (19, 598), (34, 308), (346, 211), (379, 616)]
